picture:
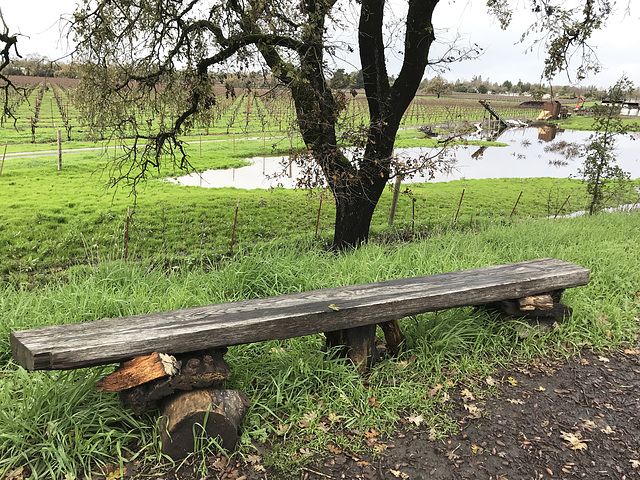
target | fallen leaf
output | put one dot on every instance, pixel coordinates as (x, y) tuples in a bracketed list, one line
[(380, 447), (467, 395), (635, 463), (373, 403), (362, 463), (416, 419), (259, 468), (372, 432), (116, 474), (474, 411), (284, 428), (607, 430), (307, 418), (575, 440), (629, 351), (333, 449), (515, 401), (603, 359), (333, 307), (433, 391), (445, 397), (333, 418), (15, 474), (476, 448), (398, 474), (254, 458), (305, 451), (491, 381), (512, 381), (433, 434), (220, 463), (541, 389)]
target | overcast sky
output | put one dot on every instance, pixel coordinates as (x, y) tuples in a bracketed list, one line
[(503, 58)]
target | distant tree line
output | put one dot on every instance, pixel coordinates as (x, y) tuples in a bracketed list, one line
[(439, 86), (41, 66)]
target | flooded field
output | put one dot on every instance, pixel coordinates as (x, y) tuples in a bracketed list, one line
[(531, 152)]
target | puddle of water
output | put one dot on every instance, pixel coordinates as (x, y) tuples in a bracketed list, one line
[(525, 157)]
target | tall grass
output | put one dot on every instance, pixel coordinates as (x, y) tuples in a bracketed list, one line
[(54, 423)]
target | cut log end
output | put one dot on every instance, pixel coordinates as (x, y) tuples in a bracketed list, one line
[(191, 417)]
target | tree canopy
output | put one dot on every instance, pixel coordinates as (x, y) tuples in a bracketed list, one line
[(159, 51)]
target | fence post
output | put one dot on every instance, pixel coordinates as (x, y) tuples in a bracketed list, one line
[(59, 151), (3, 155), (318, 220), (126, 238), (455, 220), (394, 201), (514, 207), (235, 221)]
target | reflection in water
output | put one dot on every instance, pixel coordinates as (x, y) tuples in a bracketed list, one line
[(526, 156), (547, 133)]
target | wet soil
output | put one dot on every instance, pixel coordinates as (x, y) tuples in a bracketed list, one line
[(575, 418)]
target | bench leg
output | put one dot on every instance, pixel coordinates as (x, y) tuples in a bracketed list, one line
[(358, 344), (207, 413), (393, 336)]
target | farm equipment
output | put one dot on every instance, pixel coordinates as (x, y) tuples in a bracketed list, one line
[(552, 110)]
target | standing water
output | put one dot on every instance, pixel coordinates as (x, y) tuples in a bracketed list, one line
[(531, 152)]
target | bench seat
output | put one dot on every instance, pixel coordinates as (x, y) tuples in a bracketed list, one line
[(114, 340)]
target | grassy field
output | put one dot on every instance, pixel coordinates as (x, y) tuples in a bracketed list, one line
[(585, 123), (51, 220), (55, 425)]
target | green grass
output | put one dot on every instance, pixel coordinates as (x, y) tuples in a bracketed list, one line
[(51, 220), (585, 123), (54, 423)]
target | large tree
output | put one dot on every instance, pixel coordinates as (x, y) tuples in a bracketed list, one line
[(155, 51)]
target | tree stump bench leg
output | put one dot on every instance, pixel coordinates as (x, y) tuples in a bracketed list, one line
[(358, 344), (205, 413), (393, 337)]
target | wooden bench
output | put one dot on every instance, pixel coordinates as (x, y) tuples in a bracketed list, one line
[(347, 315)]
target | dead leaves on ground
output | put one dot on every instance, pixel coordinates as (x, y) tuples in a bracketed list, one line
[(574, 440)]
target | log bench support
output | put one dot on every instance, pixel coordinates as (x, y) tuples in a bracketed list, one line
[(178, 354)]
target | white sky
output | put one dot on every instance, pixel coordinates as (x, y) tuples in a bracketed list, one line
[(503, 57)]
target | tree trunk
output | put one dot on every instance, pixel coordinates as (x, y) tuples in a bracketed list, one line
[(353, 219)]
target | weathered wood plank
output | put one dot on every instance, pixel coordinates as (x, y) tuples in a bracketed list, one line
[(285, 316)]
